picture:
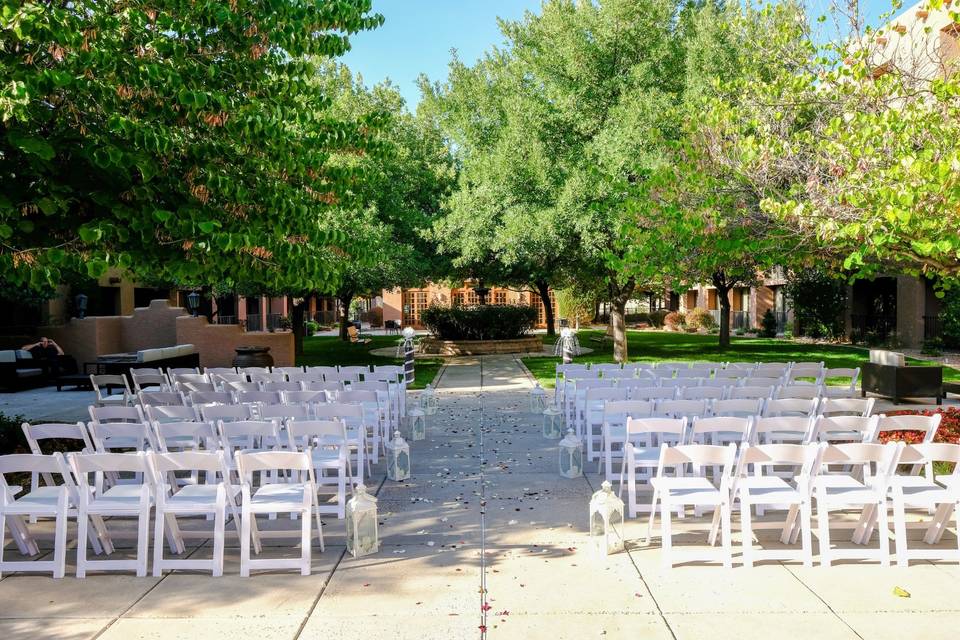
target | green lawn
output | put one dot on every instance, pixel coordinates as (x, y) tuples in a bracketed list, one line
[(652, 346), (329, 350)]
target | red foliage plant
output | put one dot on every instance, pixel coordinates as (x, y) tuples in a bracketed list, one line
[(949, 430)]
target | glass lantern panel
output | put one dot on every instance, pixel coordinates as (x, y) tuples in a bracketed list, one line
[(351, 549), (597, 527), (565, 462), (403, 462), (577, 460), (367, 533)]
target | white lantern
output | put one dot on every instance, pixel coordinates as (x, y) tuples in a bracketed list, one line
[(552, 423), (398, 458), (606, 521), (362, 532), (571, 456), (538, 399), (428, 401), (418, 424)]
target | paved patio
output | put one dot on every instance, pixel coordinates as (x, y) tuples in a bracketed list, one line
[(487, 534)]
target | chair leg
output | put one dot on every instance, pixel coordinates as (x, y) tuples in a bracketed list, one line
[(746, 532), (666, 532), (143, 541), (82, 544), (725, 510), (305, 539), (158, 531), (3, 541), (900, 533), (823, 534), (806, 542), (884, 527), (246, 532), (219, 524)]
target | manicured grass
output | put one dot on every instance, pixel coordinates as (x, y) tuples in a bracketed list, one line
[(655, 346), (330, 350)]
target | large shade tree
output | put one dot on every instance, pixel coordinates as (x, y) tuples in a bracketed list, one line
[(183, 142), (553, 129)]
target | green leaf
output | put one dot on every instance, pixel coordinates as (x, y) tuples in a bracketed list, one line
[(162, 215), (31, 145), (90, 235)]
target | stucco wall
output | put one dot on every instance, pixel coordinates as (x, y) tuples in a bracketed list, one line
[(217, 342)]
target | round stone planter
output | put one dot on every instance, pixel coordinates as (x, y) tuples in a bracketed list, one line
[(435, 346), (253, 357)]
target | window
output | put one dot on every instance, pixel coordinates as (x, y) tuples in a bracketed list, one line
[(414, 302), (500, 297)]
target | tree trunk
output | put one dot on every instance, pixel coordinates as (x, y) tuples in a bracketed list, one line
[(344, 301), (297, 323), (619, 326), (723, 287), (543, 290), (596, 312)]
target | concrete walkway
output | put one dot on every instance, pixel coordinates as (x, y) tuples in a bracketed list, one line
[(486, 535)]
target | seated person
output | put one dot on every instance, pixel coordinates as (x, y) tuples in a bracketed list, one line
[(47, 352)]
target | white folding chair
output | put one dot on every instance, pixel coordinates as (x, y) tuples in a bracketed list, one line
[(641, 452), (695, 372), (689, 409), (703, 393), (920, 427), (653, 393), (244, 386), (309, 376), (355, 371), (53, 500), (847, 407), (173, 436), (223, 381), (304, 398), (617, 374), (697, 491), (783, 407), (103, 386), (75, 433), (805, 373), (614, 431), (593, 415), (161, 398), (373, 419), (740, 366), (212, 498), (802, 391), (203, 387), (941, 501), (179, 380), (261, 377), (751, 393), (172, 413), (283, 412), (764, 489), (321, 371), (761, 381), (326, 441), (277, 387), (784, 430), (104, 415), (352, 416), (172, 372), (845, 428), (116, 501), (288, 370), (842, 491), (299, 498), (145, 379), (204, 398), (678, 383), (252, 370), (846, 390), (743, 408), (331, 389), (214, 413), (220, 371)]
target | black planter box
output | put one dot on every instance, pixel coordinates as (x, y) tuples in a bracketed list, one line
[(902, 382)]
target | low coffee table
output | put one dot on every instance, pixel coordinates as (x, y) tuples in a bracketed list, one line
[(951, 387)]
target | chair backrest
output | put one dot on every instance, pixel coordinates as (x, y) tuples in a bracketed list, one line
[(220, 371), (190, 378), (257, 397), (303, 397), (336, 376), (847, 407), (363, 397), (371, 385), (617, 374), (172, 372), (115, 414), (719, 383), (315, 433), (879, 461), (246, 434), (569, 370), (225, 412), (739, 429), (283, 412), (802, 391), (75, 431), (778, 369), (190, 387), (121, 435), (174, 413), (332, 388), (695, 372), (784, 428), (285, 385), (897, 426), (678, 383), (183, 435), (161, 398), (852, 374), (739, 408), (846, 428), (740, 366), (703, 393), (322, 371), (700, 456), (751, 392), (145, 379), (104, 463), (653, 393), (163, 464), (251, 462), (757, 459), (932, 452), (760, 381), (689, 409), (606, 366), (107, 382), (288, 370), (601, 395), (200, 398), (638, 366), (619, 410), (673, 430), (35, 463), (790, 407), (223, 380), (307, 376), (730, 378), (250, 370), (354, 370), (256, 376), (237, 386), (352, 414)]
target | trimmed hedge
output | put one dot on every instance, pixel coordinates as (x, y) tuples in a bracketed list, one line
[(484, 322)]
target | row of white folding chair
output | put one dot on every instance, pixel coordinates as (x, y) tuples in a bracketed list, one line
[(90, 503), (753, 486)]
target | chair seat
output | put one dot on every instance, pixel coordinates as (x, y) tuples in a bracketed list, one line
[(197, 494), (279, 497), (692, 490), (768, 490), (929, 495), (41, 499), (123, 497), (650, 455), (848, 495)]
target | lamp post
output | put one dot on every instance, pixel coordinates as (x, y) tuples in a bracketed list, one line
[(193, 303), (81, 302), (408, 355)]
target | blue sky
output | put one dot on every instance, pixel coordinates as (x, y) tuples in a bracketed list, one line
[(418, 35)]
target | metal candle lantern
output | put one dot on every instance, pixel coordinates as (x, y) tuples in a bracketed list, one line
[(362, 532), (606, 521), (538, 399), (571, 456), (428, 401), (193, 302), (398, 458), (552, 423), (418, 424), (408, 355)]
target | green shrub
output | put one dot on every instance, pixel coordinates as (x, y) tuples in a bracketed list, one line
[(657, 318), (12, 439), (700, 318), (637, 318), (768, 325), (484, 322), (675, 320), (818, 299), (950, 319), (932, 347)]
